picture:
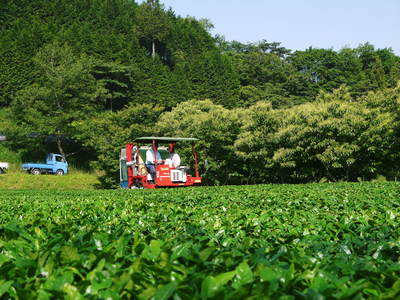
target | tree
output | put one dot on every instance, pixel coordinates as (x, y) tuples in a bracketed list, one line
[(255, 144), (334, 138), (67, 92), (216, 127), (211, 76), (386, 105), (152, 23), (107, 133), (118, 81)]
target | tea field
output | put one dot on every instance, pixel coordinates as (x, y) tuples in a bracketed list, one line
[(317, 241)]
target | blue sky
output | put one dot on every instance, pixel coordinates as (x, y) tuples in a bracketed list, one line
[(298, 24)]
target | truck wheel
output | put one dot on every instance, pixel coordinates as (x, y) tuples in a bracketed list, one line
[(60, 172), (35, 171)]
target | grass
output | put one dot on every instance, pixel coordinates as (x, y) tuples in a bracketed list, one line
[(76, 180), (16, 179), (9, 156)]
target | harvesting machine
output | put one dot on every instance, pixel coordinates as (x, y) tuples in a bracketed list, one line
[(135, 174)]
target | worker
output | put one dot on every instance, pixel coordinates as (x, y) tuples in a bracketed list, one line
[(174, 158), (150, 163)]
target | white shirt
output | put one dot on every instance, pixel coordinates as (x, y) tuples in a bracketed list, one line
[(150, 156), (176, 160)]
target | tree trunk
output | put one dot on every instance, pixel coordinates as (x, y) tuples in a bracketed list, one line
[(60, 148), (153, 53)]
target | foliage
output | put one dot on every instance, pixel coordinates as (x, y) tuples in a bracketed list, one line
[(216, 127), (211, 76), (151, 24), (333, 241), (107, 133), (386, 103), (332, 138), (67, 92)]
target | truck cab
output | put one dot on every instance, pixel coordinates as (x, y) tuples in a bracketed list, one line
[(55, 164)]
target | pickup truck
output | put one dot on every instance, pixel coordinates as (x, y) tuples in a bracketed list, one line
[(3, 167), (55, 164)]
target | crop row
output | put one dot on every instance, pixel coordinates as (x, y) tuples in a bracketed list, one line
[(314, 241)]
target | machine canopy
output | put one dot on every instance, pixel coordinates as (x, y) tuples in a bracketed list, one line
[(150, 139)]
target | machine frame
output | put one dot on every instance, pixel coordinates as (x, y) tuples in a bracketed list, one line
[(166, 176)]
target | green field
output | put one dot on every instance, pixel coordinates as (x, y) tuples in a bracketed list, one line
[(76, 180), (317, 241)]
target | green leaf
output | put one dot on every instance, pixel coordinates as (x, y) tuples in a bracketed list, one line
[(69, 254), (24, 263), (205, 253), (4, 286), (72, 292), (147, 293), (100, 285), (153, 250), (3, 259), (371, 292), (268, 274), (91, 275), (394, 290), (43, 295), (211, 285), (57, 284), (165, 291), (180, 251), (40, 233), (244, 275)]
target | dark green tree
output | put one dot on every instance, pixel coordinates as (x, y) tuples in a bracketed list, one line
[(107, 133), (66, 92), (211, 76), (152, 24)]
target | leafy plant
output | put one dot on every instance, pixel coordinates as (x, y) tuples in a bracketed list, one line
[(332, 241)]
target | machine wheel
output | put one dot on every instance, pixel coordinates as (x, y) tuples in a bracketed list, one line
[(60, 172), (2, 171), (35, 171)]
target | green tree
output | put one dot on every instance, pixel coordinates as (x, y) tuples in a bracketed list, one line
[(386, 104), (256, 143), (107, 133), (263, 71), (151, 23), (334, 138), (217, 129), (66, 92), (211, 76)]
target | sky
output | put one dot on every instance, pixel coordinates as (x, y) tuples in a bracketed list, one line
[(299, 24)]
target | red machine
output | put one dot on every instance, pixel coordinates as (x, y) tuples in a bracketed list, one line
[(135, 174)]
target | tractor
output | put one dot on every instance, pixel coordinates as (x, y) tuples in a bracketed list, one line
[(135, 164)]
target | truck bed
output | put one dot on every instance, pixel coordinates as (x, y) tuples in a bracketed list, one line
[(36, 166)]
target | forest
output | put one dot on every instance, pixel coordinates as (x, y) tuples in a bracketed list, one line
[(84, 77)]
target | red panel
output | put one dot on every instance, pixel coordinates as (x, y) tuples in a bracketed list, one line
[(129, 148), (163, 175)]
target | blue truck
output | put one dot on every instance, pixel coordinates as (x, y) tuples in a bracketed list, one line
[(55, 164)]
